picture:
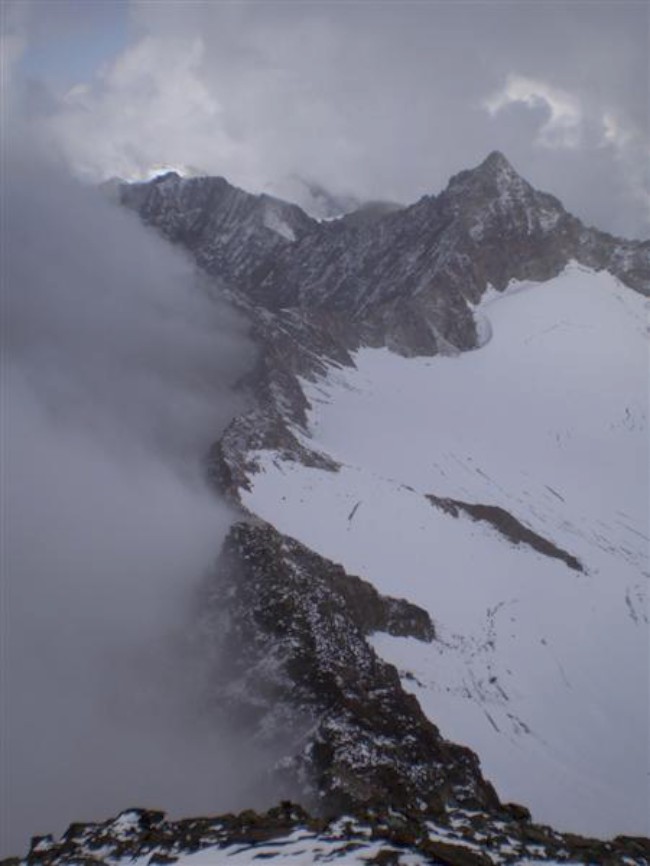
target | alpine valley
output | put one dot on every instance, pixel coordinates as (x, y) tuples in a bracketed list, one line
[(441, 553)]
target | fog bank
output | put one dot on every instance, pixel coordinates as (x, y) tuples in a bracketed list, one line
[(117, 374)]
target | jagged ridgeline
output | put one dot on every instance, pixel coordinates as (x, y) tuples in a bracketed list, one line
[(401, 278), (405, 278), (288, 834), (308, 676)]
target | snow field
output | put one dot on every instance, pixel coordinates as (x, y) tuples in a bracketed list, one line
[(542, 670)]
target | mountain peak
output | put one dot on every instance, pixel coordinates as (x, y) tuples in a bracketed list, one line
[(164, 178), (495, 176), (495, 168), (496, 161)]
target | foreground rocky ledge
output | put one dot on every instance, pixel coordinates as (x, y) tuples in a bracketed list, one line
[(389, 837)]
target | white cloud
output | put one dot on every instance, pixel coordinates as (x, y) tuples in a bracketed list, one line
[(376, 100), (615, 132), (562, 127), (149, 106)]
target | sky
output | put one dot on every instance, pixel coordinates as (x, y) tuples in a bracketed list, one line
[(375, 99)]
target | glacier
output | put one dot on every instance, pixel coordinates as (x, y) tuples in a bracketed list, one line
[(541, 669)]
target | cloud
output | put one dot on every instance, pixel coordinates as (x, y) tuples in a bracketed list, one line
[(593, 129), (562, 124), (117, 375), (149, 98), (116, 368), (375, 100), (12, 47)]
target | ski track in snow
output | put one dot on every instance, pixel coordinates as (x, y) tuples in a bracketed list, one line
[(543, 671)]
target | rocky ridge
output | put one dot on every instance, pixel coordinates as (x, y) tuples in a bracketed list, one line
[(292, 629), (507, 525), (355, 741), (406, 278), (386, 837)]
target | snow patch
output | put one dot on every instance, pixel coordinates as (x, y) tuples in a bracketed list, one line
[(273, 221)]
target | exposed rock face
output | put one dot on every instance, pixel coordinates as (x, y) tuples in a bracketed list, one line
[(508, 525), (229, 231), (295, 625), (405, 277), (402, 277)]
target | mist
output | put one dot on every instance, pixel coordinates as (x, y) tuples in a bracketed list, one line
[(118, 373)]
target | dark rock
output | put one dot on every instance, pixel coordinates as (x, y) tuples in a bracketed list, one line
[(295, 623), (387, 277), (42, 842), (230, 232), (386, 857), (454, 855), (508, 525), (517, 811), (403, 834), (640, 845), (374, 612)]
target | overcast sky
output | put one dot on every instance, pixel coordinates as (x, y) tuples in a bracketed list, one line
[(380, 99)]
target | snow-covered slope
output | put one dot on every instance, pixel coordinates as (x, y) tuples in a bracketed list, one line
[(540, 668)]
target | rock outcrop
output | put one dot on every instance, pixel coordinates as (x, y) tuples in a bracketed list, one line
[(507, 525), (291, 628), (288, 833)]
